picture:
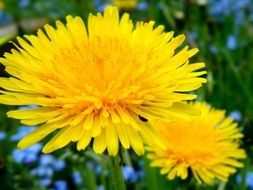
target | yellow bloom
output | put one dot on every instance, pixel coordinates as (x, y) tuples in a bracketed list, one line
[(208, 145), (125, 4), (92, 83), (2, 5)]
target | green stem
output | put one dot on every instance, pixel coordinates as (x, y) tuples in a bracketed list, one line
[(126, 158), (117, 179), (244, 173), (240, 80), (221, 186)]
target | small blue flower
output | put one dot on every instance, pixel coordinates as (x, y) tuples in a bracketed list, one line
[(60, 185), (100, 187), (76, 177), (43, 171), (2, 135), (129, 174), (251, 16), (45, 182), (213, 49), (18, 155), (249, 179), (102, 6), (192, 35), (5, 18), (28, 155), (46, 159), (23, 3), (22, 132), (231, 42), (220, 9), (36, 148), (239, 17), (236, 115), (97, 2), (59, 165), (142, 6), (98, 169)]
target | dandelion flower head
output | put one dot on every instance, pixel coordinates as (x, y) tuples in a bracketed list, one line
[(93, 83), (207, 146), (2, 5), (125, 4)]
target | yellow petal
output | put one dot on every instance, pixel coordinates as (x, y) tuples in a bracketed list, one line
[(111, 138), (99, 144)]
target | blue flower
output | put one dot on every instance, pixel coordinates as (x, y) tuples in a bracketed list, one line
[(60, 185), (236, 115), (231, 42), (28, 155), (45, 182), (129, 174), (100, 187), (5, 18), (220, 9), (239, 17), (18, 156), (46, 159), (23, 3), (59, 165), (102, 6), (2, 135), (76, 177), (98, 169), (249, 179), (50, 161), (22, 132), (251, 16), (42, 171), (142, 6), (213, 49), (48, 164), (192, 35)]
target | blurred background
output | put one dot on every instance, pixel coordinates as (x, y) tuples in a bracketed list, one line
[(221, 29)]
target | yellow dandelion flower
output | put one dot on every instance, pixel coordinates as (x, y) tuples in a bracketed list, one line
[(94, 83), (207, 145), (2, 5), (125, 4)]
